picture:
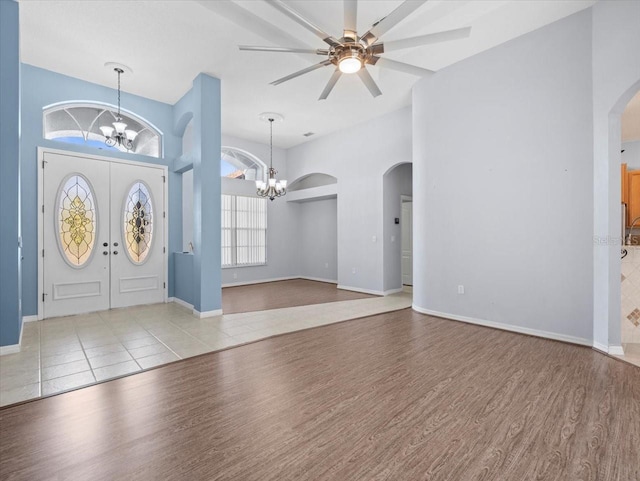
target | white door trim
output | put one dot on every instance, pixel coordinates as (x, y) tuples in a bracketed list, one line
[(405, 199), (40, 158)]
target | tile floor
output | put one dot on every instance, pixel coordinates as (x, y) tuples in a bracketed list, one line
[(65, 353), (631, 353)]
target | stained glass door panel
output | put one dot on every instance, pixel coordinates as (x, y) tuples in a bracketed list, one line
[(137, 227), (76, 225)]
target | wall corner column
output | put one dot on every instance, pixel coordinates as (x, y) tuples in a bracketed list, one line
[(10, 250), (207, 273)]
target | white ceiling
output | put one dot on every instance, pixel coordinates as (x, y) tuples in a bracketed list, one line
[(167, 43)]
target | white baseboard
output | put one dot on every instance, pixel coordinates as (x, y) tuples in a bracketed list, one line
[(12, 349), (616, 350), (29, 318), (259, 281), (600, 347), (359, 289), (319, 279), (508, 327), (181, 302), (202, 315), (392, 291)]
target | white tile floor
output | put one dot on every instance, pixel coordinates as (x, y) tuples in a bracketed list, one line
[(631, 353), (69, 352)]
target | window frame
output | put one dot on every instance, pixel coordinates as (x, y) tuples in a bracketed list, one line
[(85, 131), (233, 246), (261, 167)]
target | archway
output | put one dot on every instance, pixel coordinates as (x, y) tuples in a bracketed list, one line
[(630, 263), (607, 268), (397, 227)]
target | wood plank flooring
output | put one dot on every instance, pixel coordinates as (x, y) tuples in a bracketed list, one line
[(276, 295), (398, 396)]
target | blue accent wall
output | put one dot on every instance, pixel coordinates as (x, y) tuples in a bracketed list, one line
[(10, 295), (41, 88), (202, 104)]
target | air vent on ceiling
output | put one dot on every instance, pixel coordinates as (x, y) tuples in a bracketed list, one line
[(309, 134)]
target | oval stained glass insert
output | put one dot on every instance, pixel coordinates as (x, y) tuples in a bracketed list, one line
[(138, 222), (76, 220)]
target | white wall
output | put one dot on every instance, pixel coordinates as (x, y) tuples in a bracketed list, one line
[(396, 183), (282, 245), (631, 154), (616, 78), (358, 157), (503, 175), (317, 234)]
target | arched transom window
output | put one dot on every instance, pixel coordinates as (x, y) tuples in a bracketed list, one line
[(79, 123), (238, 164)]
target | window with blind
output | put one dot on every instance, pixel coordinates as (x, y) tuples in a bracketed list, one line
[(244, 231)]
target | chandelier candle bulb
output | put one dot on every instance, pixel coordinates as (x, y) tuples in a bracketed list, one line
[(131, 134), (120, 127), (106, 131)]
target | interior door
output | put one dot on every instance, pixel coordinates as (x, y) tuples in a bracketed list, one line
[(137, 235), (75, 232), (407, 243)]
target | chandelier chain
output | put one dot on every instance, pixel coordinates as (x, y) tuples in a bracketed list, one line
[(119, 72), (271, 143)]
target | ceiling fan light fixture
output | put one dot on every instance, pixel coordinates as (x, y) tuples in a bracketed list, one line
[(350, 62)]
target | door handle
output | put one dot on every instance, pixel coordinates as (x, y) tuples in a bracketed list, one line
[(115, 244), (105, 253), (115, 253), (105, 244)]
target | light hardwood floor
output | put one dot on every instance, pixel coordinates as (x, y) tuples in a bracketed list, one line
[(289, 293), (398, 396)]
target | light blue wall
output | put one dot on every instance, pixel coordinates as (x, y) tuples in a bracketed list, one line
[(183, 276), (10, 295), (41, 88), (202, 104)]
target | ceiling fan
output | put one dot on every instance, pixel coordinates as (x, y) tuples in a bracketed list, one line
[(353, 53)]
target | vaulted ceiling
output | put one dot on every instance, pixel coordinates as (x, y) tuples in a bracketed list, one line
[(167, 43)]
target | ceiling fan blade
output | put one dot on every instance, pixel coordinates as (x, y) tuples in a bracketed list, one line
[(246, 19), (378, 29), (350, 15), (369, 82), (427, 39), (301, 72), (255, 48), (401, 66), (330, 84), (296, 17)]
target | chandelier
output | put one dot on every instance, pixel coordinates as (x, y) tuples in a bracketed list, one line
[(119, 134), (272, 188)]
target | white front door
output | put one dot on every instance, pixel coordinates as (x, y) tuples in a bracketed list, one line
[(137, 235), (407, 243), (103, 234), (76, 229)]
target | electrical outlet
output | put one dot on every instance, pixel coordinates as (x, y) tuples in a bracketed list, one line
[(393, 238), (326, 265), (353, 270), (461, 289), (235, 275), (374, 239)]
